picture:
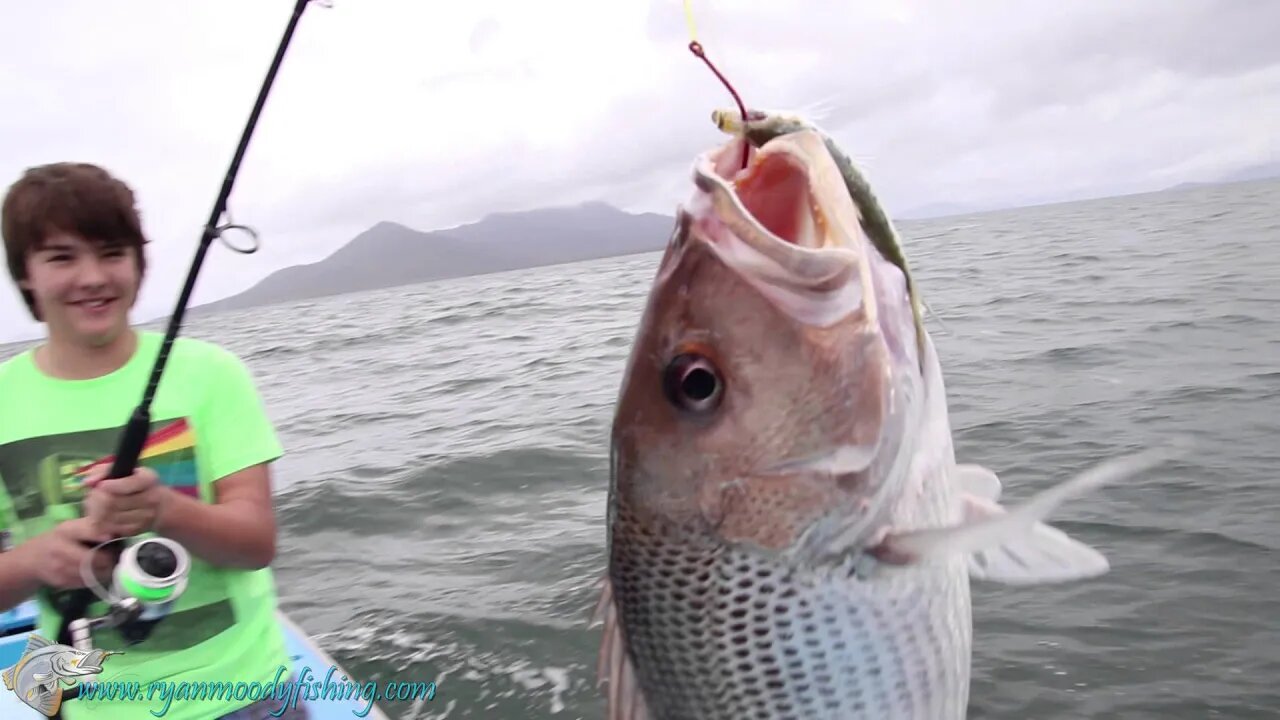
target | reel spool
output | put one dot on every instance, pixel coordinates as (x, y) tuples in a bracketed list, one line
[(152, 571)]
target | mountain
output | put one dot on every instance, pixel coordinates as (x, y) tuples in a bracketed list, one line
[(1260, 171), (389, 254)]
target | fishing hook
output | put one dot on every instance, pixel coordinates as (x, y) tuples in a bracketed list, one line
[(696, 48)]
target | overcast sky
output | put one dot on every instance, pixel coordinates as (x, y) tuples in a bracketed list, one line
[(433, 114)]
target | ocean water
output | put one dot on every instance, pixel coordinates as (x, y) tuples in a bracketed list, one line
[(442, 502)]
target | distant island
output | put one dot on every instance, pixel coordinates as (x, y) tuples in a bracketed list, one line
[(389, 254), (1262, 171)]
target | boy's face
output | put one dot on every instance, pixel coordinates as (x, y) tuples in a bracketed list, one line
[(84, 290)]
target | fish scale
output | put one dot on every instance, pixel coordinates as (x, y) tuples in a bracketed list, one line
[(789, 534), (720, 632)]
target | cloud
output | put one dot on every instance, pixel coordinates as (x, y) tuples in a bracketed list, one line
[(434, 114)]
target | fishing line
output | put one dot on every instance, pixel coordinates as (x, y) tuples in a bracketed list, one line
[(72, 605), (695, 47), (90, 580), (135, 434)]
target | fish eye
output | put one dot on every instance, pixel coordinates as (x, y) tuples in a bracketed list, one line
[(692, 383)]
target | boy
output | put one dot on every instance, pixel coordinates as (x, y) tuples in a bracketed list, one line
[(74, 245)]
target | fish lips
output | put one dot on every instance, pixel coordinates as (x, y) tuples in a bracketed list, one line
[(87, 669), (785, 223)]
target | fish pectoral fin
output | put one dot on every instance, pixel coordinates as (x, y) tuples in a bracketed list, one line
[(979, 481), (625, 700), (1042, 555), (1015, 546)]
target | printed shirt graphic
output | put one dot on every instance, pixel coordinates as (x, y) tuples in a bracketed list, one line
[(207, 422), (43, 476)]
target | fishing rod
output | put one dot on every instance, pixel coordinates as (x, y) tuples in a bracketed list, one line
[(156, 563), (135, 433)]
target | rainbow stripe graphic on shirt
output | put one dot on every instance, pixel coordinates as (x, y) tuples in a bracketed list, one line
[(169, 451)]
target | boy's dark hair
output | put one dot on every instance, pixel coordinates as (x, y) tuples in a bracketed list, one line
[(70, 197)]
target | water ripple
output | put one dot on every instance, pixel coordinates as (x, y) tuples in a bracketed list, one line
[(443, 497)]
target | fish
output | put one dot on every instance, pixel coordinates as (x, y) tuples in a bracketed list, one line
[(789, 534), (35, 678)]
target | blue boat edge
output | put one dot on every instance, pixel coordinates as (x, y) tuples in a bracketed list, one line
[(17, 624)]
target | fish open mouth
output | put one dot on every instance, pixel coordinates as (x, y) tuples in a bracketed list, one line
[(789, 202), (785, 224), (774, 189)]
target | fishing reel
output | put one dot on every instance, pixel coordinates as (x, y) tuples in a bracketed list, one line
[(148, 579)]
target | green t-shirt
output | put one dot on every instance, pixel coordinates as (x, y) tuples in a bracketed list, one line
[(207, 422)]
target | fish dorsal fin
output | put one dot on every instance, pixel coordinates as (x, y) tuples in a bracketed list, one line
[(35, 642), (625, 700), (978, 481)]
